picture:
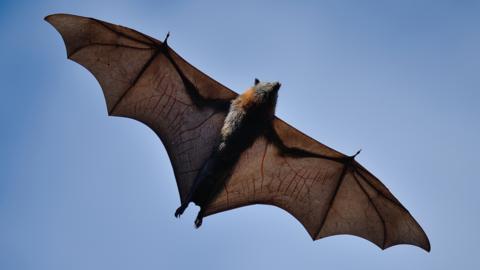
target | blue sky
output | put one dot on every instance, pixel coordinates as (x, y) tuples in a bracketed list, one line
[(398, 79)]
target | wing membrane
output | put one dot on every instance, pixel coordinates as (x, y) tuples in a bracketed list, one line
[(328, 196), (145, 80)]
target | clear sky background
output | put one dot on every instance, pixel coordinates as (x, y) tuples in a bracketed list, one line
[(398, 79)]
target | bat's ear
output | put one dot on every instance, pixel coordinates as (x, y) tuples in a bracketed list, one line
[(257, 81)]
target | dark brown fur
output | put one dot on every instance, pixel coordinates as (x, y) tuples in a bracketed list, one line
[(249, 116)]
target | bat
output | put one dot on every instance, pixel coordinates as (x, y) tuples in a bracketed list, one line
[(229, 150)]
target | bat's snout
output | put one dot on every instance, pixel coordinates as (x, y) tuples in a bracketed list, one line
[(276, 86)]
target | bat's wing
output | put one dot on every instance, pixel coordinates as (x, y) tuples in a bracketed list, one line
[(328, 192), (142, 78)]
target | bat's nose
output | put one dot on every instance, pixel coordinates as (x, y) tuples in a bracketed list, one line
[(276, 85)]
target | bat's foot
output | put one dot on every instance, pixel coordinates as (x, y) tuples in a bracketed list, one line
[(180, 210), (198, 220)]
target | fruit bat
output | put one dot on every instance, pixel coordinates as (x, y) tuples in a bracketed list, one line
[(229, 150)]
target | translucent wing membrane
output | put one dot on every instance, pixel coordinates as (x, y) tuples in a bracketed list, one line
[(144, 79), (327, 196)]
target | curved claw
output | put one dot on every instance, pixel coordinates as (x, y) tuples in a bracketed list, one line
[(198, 222), (358, 152), (180, 211), (166, 38)]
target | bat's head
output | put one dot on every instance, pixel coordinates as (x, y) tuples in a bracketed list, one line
[(266, 90)]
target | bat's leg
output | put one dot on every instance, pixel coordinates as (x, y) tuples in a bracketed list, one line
[(198, 220), (205, 172), (206, 184), (213, 191)]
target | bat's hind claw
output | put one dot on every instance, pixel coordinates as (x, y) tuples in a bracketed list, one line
[(180, 210), (199, 219), (198, 222)]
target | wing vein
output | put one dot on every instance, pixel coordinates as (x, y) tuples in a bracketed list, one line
[(330, 203), (106, 45), (261, 165), (380, 193), (374, 207), (123, 34), (139, 75)]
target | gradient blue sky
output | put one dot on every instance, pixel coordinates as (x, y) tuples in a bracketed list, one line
[(399, 79)]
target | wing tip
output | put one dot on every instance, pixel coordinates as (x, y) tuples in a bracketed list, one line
[(52, 20), (49, 17), (46, 18), (420, 240), (58, 22), (425, 246)]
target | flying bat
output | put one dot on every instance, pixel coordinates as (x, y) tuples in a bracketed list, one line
[(229, 150)]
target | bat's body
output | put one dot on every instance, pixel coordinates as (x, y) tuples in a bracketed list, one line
[(250, 115), (229, 150)]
